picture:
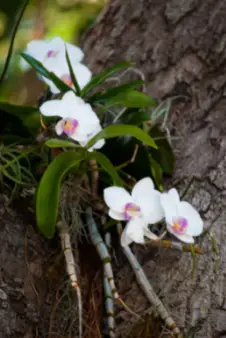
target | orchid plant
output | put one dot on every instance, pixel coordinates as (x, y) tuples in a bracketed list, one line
[(110, 138)]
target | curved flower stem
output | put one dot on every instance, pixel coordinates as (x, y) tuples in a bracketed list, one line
[(176, 245), (105, 257), (147, 288), (70, 266)]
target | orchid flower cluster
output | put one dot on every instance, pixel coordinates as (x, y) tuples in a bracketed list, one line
[(145, 205), (78, 120)]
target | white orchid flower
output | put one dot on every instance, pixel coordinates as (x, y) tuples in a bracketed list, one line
[(43, 50), (183, 221), (78, 121), (60, 68), (140, 208)]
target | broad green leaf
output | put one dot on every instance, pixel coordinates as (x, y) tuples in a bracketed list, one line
[(164, 154), (135, 116), (157, 173), (29, 116), (120, 151), (47, 198), (133, 99), (58, 143), (100, 78), (44, 72), (16, 110), (73, 77), (122, 130), (106, 164), (7, 61), (101, 97)]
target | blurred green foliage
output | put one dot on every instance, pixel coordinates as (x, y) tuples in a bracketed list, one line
[(42, 19)]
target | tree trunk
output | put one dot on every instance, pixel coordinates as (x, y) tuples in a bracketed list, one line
[(180, 47), (30, 278)]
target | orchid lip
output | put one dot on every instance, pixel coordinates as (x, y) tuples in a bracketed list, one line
[(180, 225), (131, 210), (69, 126), (51, 53), (66, 78)]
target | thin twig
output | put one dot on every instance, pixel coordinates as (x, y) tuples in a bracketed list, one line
[(70, 266), (147, 288), (95, 176), (175, 245), (104, 255), (131, 160)]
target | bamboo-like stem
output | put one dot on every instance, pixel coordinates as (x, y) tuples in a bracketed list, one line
[(104, 256), (109, 302), (176, 245), (147, 288), (70, 266)]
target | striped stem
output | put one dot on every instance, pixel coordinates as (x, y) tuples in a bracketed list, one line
[(105, 257), (70, 266), (176, 245), (147, 288)]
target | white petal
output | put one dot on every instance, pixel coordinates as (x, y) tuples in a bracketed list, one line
[(195, 223), (119, 216), (116, 198), (79, 137), (150, 205), (56, 44), (38, 49), (59, 128), (71, 98), (125, 238), (24, 65), (174, 196), (169, 208), (143, 186), (99, 144), (150, 234), (82, 73), (53, 108), (75, 53), (133, 232), (182, 237)]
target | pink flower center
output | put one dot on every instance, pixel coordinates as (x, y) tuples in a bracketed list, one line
[(51, 53), (131, 210), (180, 225), (67, 80), (69, 126)]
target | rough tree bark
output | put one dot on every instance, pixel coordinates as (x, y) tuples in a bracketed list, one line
[(180, 46)]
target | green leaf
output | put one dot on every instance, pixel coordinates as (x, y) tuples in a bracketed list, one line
[(164, 154), (58, 143), (73, 77), (44, 72), (134, 116), (16, 110), (120, 151), (100, 78), (122, 130), (157, 173), (106, 164), (133, 99), (7, 61), (101, 97), (47, 198), (30, 116)]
